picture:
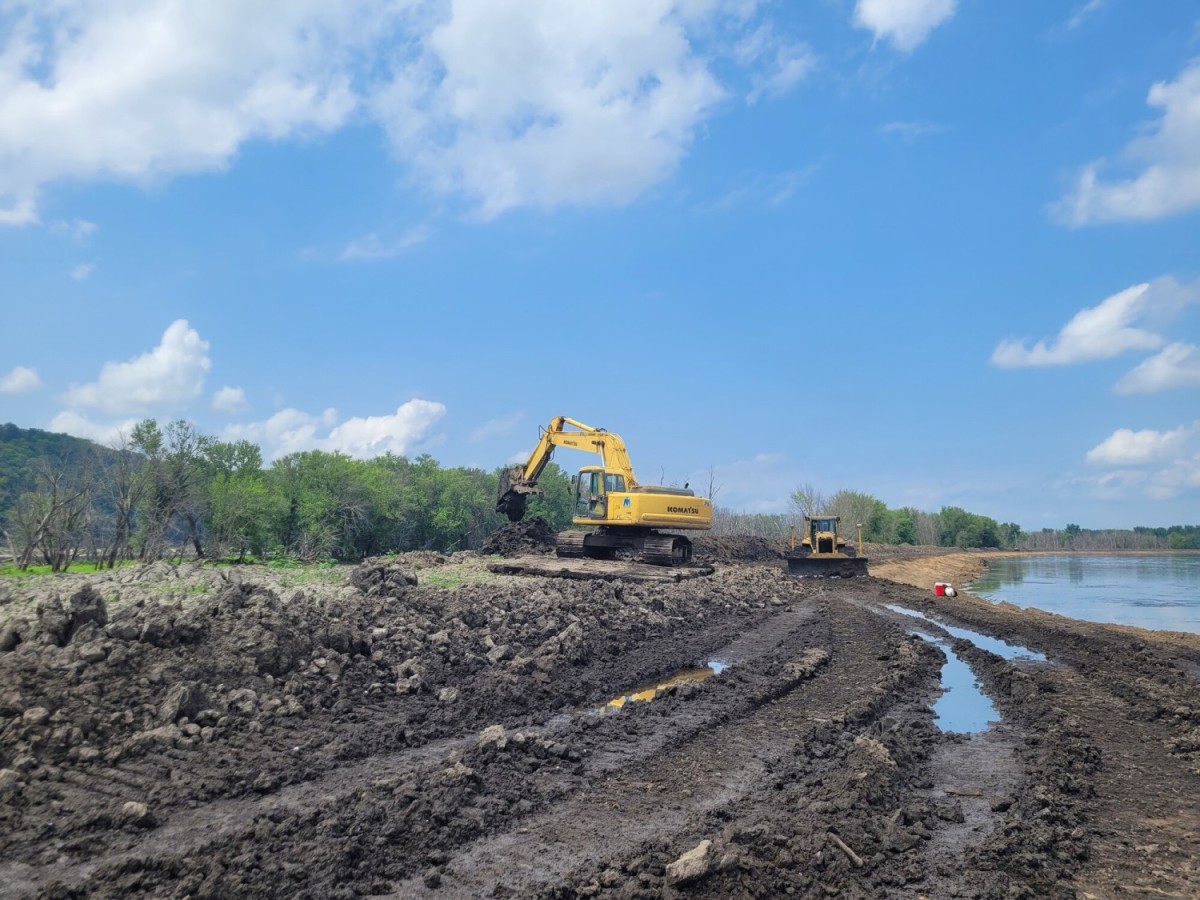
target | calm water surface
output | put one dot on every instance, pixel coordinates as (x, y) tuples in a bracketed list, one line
[(1161, 592)]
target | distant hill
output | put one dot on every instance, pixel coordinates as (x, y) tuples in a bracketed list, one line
[(20, 447)]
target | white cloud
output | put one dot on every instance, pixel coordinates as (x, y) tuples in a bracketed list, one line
[(82, 271), (1098, 332), (292, 431), (1080, 15), (145, 88), (395, 433), (20, 380), (76, 229), (506, 102), (541, 103), (498, 427), (108, 433), (777, 65), (764, 190), (15, 210), (229, 400), (1157, 464), (1168, 158), (1175, 366), (1125, 447), (374, 246), (906, 23), (170, 374)]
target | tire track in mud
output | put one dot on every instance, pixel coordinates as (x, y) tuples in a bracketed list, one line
[(187, 831), (676, 790)]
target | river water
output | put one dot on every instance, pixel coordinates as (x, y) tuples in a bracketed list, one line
[(1149, 591)]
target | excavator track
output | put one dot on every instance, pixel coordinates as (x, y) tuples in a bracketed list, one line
[(570, 544), (666, 550)]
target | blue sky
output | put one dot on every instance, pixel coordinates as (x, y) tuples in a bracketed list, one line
[(941, 251)]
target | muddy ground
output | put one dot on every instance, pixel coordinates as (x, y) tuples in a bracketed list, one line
[(419, 726)]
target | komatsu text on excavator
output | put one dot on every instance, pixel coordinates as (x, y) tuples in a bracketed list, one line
[(627, 514)]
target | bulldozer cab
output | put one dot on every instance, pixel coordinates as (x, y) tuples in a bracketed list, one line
[(821, 534)]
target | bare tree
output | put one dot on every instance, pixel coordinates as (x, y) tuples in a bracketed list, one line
[(806, 500), (713, 487), (52, 519), (124, 491)]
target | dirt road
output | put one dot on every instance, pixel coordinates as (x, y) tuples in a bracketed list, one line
[(190, 732)]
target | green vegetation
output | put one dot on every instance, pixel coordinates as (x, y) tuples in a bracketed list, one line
[(169, 492), (172, 491)]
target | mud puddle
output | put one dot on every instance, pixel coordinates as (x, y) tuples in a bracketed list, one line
[(963, 707), (1003, 649)]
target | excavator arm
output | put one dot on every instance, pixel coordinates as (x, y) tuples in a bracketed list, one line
[(518, 482)]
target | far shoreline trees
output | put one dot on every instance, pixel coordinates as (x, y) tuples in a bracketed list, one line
[(167, 492)]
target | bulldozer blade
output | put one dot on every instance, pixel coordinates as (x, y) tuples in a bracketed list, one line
[(827, 566)]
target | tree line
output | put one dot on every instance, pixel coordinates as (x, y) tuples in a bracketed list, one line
[(168, 491)]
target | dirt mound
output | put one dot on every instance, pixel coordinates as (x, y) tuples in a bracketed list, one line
[(520, 538), (190, 732), (736, 548)]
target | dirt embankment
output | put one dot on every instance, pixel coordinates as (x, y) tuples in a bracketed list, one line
[(178, 732)]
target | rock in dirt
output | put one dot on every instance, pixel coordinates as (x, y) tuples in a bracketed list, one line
[(519, 538), (184, 699), (138, 815), (380, 577), (493, 735), (692, 865)]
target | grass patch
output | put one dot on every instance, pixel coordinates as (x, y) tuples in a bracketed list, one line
[(74, 568)]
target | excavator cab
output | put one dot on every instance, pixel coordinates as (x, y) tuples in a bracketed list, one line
[(592, 489)]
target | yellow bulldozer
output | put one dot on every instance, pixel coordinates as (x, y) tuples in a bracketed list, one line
[(626, 514), (822, 551)]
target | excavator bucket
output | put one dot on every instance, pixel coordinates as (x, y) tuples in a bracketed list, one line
[(513, 494), (831, 566)]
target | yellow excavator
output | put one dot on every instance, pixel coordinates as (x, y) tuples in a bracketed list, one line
[(627, 515)]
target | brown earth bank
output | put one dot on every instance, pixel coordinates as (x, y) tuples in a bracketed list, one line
[(420, 726)]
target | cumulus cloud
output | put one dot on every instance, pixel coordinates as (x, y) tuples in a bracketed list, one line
[(1159, 464), (82, 272), (540, 103), (1166, 164), (506, 102), (1175, 366), (146, 89), (395, 433), (170, 374), (107, 433), (906, 23), (1098, 332), (292, 431), (20, 380), (229, 400), (1125, 447)]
